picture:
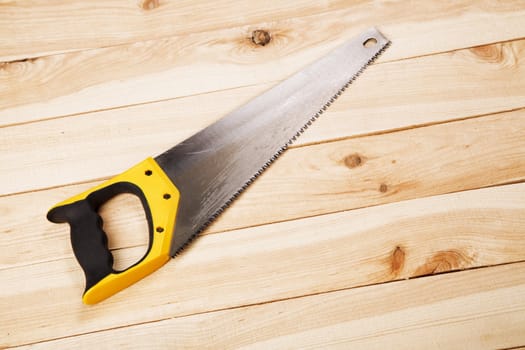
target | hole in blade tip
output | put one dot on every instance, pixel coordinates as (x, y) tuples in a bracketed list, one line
[(370, 42)]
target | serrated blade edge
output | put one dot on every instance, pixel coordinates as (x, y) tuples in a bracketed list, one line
[(213, 167)]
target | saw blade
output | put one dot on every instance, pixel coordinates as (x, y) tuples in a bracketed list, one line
[(212, 167)]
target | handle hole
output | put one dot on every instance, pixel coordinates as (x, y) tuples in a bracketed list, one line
[(160, 229), (148, 172), (370, 42), (125, 225), (166, 196)]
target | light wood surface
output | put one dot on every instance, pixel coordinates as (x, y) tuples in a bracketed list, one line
[(396, 221)]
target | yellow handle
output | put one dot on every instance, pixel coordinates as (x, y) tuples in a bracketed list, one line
[(160, 199)]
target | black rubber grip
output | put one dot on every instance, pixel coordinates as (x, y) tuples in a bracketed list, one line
[(88, 239)]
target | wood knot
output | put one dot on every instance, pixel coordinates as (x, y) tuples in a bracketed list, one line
[(499, 54), (18, 66), (397, 261), (353, 160), (487, 52), (383, 188), (444, 261), (149, 4), (261, 37)]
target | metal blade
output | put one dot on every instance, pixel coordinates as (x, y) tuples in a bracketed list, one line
[(214, 166)]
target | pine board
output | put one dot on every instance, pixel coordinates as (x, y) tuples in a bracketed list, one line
[(312, 180), (68, 150), (146, 71), (35, 28), (480, 309), (274, 262), (397, 220)]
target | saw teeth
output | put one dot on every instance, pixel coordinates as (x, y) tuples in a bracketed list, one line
[(282, 149)]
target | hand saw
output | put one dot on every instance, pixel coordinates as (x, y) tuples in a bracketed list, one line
[(185, 188)]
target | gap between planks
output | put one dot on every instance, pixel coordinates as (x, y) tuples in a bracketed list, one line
[(109, 109), (348, 292), (96, 181), (489, 157), (122, 250), (241, 87), (36, 100), (470, 95), (295, 254), (238, 19), (332, 17)]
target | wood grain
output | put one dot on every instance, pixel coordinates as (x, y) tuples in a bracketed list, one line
[(272, 262), (325, 178), (78, 25), (397, 221), (35, 28), (479, 309), (157, 70), (310, 180), (395, 166), (470, 82)]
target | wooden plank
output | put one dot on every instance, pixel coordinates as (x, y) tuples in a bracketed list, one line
[(385, 168), (474, 81), (310, 180), (340, 175), (35, 28), (316, 266), (273, 262), (482, 308), (470, 82), (142, 72)]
